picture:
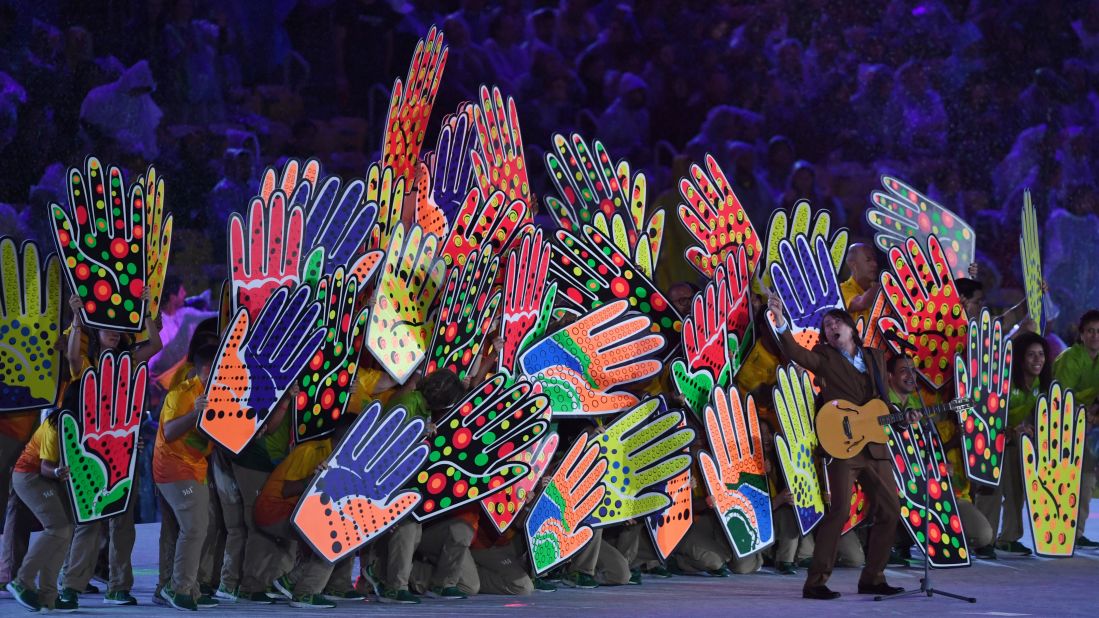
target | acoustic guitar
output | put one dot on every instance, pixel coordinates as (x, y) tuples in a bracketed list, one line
[(844, 428)]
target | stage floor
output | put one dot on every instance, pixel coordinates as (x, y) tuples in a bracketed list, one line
[(1007, 587)]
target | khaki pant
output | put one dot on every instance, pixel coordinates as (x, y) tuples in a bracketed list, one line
[(502, 570), (339, 583), (627, 540), (232, 521), (169, 534), (394, 552), (584, 561), (447, 562), (704, 547), (876, 478), (19, 522), (190, 503), (978, 532), (43, 561), (10, 449), (213, 546), (602, 561), (260, 552), (84, 551), (310, 572), (1003, 505), (787, 534)]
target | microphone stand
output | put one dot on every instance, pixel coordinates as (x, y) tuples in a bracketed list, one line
[(926, 586)]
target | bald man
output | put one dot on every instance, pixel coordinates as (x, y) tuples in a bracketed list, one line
[(860, 290)]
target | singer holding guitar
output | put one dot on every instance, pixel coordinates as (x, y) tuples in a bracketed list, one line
[(847, 370)]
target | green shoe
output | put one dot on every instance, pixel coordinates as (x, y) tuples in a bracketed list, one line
[(182, 602), (65, 606), (26, 597), (450, 593), (350, 595), (206, 602), (119, 597), (224, 595), (1013, 548), (402, 596), (722, 572), (1086, 543), (369, 582), (658, 571), (579, 580), (90, 589), (285, 587), (206, 590), (259, 598), (805, 562), (312, 601), (635, 577), (988, 552), (541, 585), (69, 594)]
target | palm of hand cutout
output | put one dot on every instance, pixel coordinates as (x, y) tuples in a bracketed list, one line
[(466, 314), (257, 362), (984, 375), (102, 239), (900, 212), (485, 220), (158, 239), (451, 163), (528, 300), (410, 106), (605, 196), (930, 313), (806, 283), (714, 216), (579, 365), (1052, 472), (1030, 249), (100, 448), (472, 455), (735, 473), (644, 449), (794, 406), (559, 521), (30, 323), (399, 327), (270, 257), (498, 162), (359, 493)]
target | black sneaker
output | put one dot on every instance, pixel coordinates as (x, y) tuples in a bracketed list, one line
[(542, 585), (91, 589), (26, 597), (635, 577), (182, 602), (988, 552), (658, 571), (1013, 548), (1086, 543), (312, 601), (579, 580), (786, 568), (65, 606)]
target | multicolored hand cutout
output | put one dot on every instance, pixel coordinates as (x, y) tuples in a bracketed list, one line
[(466, 315), (718, 334), (806, 282), (559, 524), (256, 364), (99, 441), (1030, 250), (606, 196), (451, 163), (668, 527), (644, 448), (485, 220), (337, 224), (917, 459), (528, 298), (795, 408), (399, 327), (714, 216), (579, 365), (900, 212), (410, 106), (498, 161), (158, 239), (590, 272), (735, 476), (324, 387), (1052, 471), (386, 191), (504, 507), (30, 323), (473, 454), (797, 223), (102, 239), (270, 257), (297, 182), (358, 495), (984, 376), (930, 313)]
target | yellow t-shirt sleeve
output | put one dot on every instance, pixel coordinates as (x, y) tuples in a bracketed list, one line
[(305, 458), (47, 447)]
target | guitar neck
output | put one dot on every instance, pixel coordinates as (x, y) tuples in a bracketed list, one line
[(934, 411)]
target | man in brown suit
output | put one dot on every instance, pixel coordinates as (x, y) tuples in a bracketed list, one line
[(847, 370)]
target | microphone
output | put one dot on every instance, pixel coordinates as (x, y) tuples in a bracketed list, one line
[(898, 340)]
